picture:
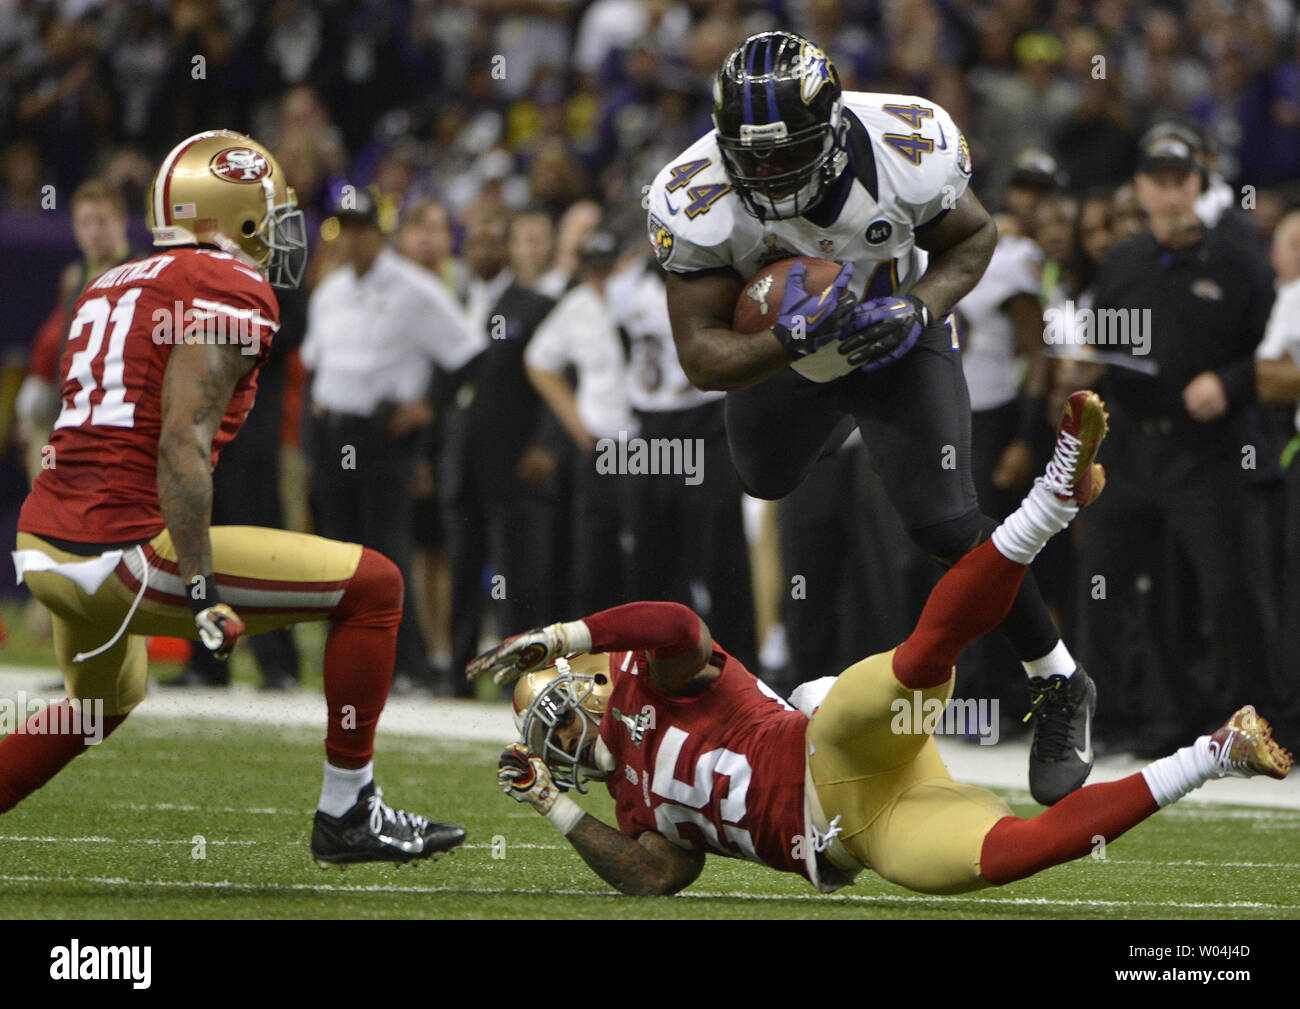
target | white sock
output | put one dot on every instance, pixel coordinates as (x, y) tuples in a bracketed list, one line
[(338, 791), (1057, 662), (1026, 530), (1172, 777)]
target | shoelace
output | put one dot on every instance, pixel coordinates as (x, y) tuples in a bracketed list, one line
[(820, 841), (1224, 759), (1060, 471), (381, 812), (1050, 706)]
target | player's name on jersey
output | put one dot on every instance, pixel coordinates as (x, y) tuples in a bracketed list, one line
[(130, 273), (651, 457)]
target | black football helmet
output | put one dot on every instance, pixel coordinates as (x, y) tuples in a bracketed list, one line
[(777, 107)]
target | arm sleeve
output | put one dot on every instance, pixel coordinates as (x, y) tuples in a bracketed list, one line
[(665, 630)]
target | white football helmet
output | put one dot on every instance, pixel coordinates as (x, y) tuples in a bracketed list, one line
[(546, 703)]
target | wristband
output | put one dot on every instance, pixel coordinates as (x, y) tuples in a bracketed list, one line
[(202, 593), (565, 814), (923, 310), (576, 636)]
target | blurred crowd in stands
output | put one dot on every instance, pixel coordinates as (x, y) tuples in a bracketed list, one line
[(501, 150)]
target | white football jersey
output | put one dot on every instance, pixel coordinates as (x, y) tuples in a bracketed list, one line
[(656, 381), (909, 164), (991, 359)]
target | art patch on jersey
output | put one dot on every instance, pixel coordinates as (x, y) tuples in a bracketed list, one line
[(815, 71), (661, 239), (963, 154), (239, 164), (878, 232)]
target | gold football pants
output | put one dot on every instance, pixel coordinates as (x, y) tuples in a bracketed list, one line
[(901, 814), (270, 577)]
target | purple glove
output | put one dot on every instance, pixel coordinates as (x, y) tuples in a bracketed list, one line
[(884, 330), (807, 322)]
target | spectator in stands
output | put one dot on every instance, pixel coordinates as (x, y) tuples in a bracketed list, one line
[(99, 226), (688, 537), (581, 334), (1182, 378), (1278, 381), (532, 246), (498, 459), (575, 225), (376, 328)]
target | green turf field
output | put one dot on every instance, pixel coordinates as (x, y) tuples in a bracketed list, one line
[(116, 836)]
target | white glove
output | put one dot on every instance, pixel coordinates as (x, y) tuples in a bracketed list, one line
[(529, 651), (219, 629)]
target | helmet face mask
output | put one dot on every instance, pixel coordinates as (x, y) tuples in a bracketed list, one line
[(553, 704), (782, 166), (284, 232), (783, 178)]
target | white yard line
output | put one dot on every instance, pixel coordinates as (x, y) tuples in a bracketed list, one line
[(1001, 766), (946, 902), (113, 840)]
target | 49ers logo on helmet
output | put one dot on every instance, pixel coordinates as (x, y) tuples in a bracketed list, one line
[(240, 164)]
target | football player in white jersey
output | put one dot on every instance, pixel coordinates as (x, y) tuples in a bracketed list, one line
[(796, 167)]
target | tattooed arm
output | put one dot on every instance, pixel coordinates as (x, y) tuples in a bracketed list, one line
[(647, 866), (197, 387)]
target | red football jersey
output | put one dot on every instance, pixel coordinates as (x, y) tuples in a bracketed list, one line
[(721, 772), (102, 486)]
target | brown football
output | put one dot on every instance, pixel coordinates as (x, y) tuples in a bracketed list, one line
[(759, 303)]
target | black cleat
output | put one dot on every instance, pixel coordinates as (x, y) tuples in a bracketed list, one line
[(1060, 758), (372, 832)]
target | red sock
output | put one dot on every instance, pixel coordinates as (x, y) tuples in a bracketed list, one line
[(30, 758), (359, 656), (971, 599), (1017, 848)]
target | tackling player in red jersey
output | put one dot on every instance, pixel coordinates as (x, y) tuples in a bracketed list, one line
[(159, 372), (701, 757)]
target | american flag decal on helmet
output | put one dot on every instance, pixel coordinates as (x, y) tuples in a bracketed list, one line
[(180, 211)]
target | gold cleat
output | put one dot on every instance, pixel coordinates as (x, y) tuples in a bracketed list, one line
[(1245, 746)]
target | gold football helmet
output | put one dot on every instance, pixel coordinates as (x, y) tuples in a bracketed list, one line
[(226, 188), (546, 703)]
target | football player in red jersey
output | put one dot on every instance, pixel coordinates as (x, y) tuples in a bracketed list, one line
[(115, 539), (701, 757)]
